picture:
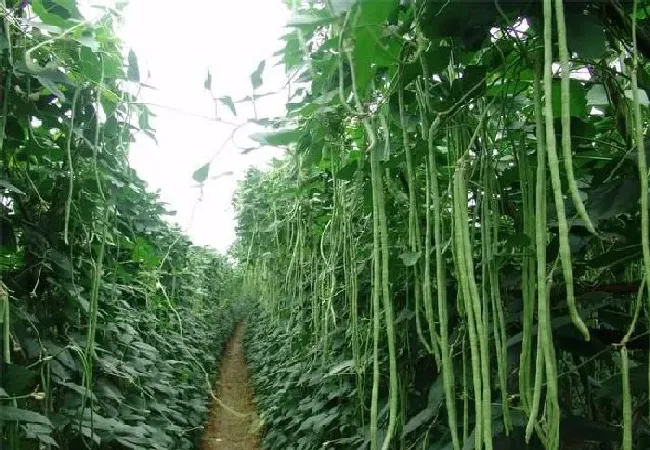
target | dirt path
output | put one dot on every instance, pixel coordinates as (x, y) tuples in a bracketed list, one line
[(233, 419)]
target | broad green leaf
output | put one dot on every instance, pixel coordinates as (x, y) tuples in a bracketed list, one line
[(60, 259), (201, 174), (7, 236), (60, 13), (437, 59), (133, 72), (43, 26), (585, 35), (6, 185), (309, 20), (256, 76), (436, 394), (90, 64), (90, 433), (611, 386), (47, 439), (597, 96), (49, 76), (13, 414), (341, 368), (278, 138), (518, 240), (40, 432), (227, 100), (110, 100), (473, 80), (347, 172), (582, 429), (144, 253), (578, 98), (388, 53), (51, 86), (292, 54), (410, 258), (612, 198), (17, 379), (341, 6), (615, 256), (88, 41), (643, 97), (415, 422), (368, 29), (404, 316)]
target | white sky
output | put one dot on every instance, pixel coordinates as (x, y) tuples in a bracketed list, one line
[(177, 44)]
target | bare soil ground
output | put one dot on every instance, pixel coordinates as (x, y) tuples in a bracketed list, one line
[(233, 419)]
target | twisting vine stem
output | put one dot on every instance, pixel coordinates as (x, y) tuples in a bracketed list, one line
[(68, 148)]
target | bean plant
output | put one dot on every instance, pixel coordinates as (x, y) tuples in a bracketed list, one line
[(453, 252), (112, 321)]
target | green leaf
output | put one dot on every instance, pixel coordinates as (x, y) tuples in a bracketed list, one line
[(90, 64), (578, 98), (292, 53), (47, 439), (582, 429), (133, 72), (54, 89), (518, 240), (13, 414), (341, 368), (585, 35), (437, 59), (410, 258), (49, 76), (418, 420), (40, 432), (7, 234), (341, 6), (278, 138), (388, 53), (309, 20), (207, 84), (368, 31), (227, 100), (347, 172), (88, 42), (56, 12), (17, 379), (256, 76), (643, 97), (6, 185), (597, 96), (436, 394), (616, 256), (201, 174), (473, 81), (609, 199)]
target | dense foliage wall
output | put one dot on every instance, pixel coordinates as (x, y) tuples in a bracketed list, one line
[(113, 322), (452, 253)]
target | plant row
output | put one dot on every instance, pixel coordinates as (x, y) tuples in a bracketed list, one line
[(112, 321), (455, 246)]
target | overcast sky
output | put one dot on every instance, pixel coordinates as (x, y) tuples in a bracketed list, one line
[(178, 43)]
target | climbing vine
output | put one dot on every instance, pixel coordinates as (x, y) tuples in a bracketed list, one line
[(112, 321), (468, 180)]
